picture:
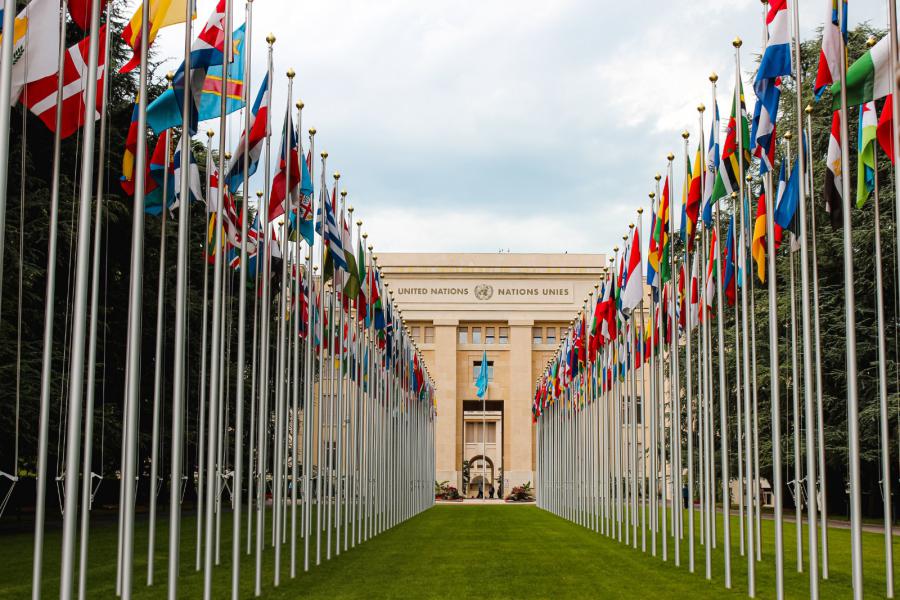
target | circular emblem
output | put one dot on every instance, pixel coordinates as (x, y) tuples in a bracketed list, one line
[(484, 291)]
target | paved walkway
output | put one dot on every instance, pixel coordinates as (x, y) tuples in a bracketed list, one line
[(485, 502)]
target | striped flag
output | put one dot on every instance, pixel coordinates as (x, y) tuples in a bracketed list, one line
[(162, 14), (830, 53), (259, 131)]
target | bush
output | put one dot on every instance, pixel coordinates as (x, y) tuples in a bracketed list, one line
[(521, 493), (445, 491)]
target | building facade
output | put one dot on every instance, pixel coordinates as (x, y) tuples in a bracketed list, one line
[(511, 307)]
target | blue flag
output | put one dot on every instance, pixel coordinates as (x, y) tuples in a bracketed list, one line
[(482, 382)]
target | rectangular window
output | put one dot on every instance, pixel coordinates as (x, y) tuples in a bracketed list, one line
[(476, 368), (537, 335), (477, 433), (476, 335), (551, 335), (429, 335), (488, 335), (463, 335), (415, 333), (504, 335)]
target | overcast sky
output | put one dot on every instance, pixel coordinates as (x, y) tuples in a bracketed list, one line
[(531, 126)]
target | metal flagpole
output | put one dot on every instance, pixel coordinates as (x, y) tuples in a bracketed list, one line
[(850, 327), (820, 427), (309, 405), (241, 324), (50, 291), (320, 446), (689, 297), (675, 381), (132, 372), (738, 384), (86, 468), (642, 396), (157, 363), (6, 60)]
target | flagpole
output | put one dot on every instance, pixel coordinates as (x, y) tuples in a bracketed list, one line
[(87, 473), (308, 402), (644, 399), (157, 363), (238, 472), (320, 446), (654, 480), (689, 297), (675, 381), (6, 59), (50, 291), (850, 328), (820, 419)]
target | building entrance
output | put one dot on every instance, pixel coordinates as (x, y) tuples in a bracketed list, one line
[(482, 466)]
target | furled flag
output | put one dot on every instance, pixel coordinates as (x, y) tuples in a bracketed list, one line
[(194, 187), (728, 283), (830, 54), (352, 284), (162, 14), (758, 244), (481, 384), (865, 175), (40, 96), (35, 44), (885, 130), (653, 256), (210, 98), (226, 210), (683, 286), (695, 291), (711, 270), (128, 155), (787, 200), (712, 167), (728, 174), (661, 235), (692, 207), (259, 130), (633, 290), (833, 173), (361, 277), (608, 326), (765, 115), (207, 51), (163, 175), (869, 78)]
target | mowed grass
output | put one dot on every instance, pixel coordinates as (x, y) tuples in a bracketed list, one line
[(453, 552)]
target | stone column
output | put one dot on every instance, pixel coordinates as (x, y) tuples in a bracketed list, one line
[(517, 409), (447, 462)]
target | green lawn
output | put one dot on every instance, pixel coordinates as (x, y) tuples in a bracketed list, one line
[(455, 552)]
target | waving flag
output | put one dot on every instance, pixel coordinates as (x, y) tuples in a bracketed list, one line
[(40, 96), (633, 290), (692, 207), (327, 227), (653, 256), (259, 130), (210, 98), (207, 51), (661, 235), (729, 173), (830, 53), (787, 201), (774, 64), (869, 78), (35, 44), (163, 192), (711, 270), (712, 167), (758, 244), (162, 14), (885, 131), (728, 284), (834, 173), (194, 187)]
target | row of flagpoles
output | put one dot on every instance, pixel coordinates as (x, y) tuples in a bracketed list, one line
[(340, 433), (639, 401)]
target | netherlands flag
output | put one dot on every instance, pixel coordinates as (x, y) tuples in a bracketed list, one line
[(775, 63)]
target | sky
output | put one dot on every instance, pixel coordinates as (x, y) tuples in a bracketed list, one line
[(480, 126)]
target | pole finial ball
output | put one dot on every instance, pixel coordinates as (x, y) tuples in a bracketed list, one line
[(870, 42), (337, 175), (299, 105), (615, 248), (670, 156), (640, 211), (788, 136), (737, 43), (734, 195), (359, 222), (685, 134), (170, 76), (343, 193), (228, 156), (370, 245), (365, 235), (270, 38), (748, 178), (312, 131), (713, 77), (210, 133), (350, 209), (290, 73), (652, 195), (701, 107), (657, 177), (259, 194), (808, 109), (324, 154)]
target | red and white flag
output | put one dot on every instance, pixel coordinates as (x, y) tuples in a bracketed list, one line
[(41, 99), (885, 131), (830, 53), (633, 291)]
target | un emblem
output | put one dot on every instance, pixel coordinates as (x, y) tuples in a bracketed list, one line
[(484, 291)]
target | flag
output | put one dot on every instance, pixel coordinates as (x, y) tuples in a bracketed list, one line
[(765, 116), (352, 285), (194, 187), (259, 131), (775, 63), (208, 50), (692, 208), (885, 131), (830, 53), (361, 302), (712, 166), (162, 14), (728, 174), (869, 78), (633, 290), (41, 99), (300, 182), (865, 174), (481, 383), (162, 177), (833, 173), (661, 235), (210, 98), (787, 200), (35, 44), (728, 283), (128, 155), (758, 244), (608, 324), (711, 270), (327, 227), (80, 10), (695, 291), (653, 256)]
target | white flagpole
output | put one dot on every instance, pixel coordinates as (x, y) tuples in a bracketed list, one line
[(6, 60), (689, 400)]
